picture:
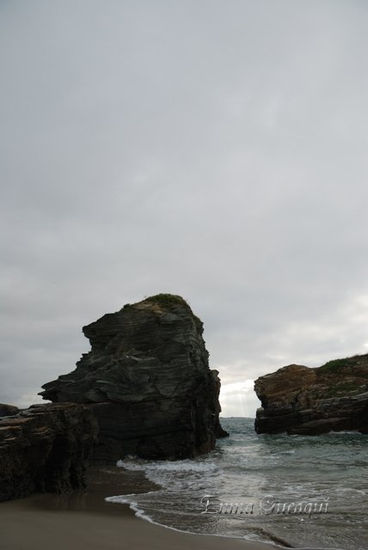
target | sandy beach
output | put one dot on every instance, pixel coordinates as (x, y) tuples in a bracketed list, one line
[(87, 522)]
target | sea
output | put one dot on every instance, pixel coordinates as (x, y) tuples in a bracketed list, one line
[(292, 491)]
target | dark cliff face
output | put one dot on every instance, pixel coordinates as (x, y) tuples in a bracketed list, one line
[(8, 410), (311, 401), (45, 449), (148, 381)]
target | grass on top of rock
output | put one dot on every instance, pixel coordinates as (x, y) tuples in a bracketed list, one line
[(167, 300), (336, 365), (339, 365)]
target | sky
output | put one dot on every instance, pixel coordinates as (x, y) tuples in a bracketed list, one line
[(212, 149)]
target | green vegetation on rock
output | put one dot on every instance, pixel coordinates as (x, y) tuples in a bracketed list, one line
[(167, 300), (336, 365)]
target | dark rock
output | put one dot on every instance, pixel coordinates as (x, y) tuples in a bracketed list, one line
[(8, 410), (45, 449), (148, 382), (311, 401)]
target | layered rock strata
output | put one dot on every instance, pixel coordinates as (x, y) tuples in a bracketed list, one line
[(148, 381), (45, 449), (301, 400)]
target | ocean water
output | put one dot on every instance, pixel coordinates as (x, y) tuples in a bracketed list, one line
[(298, 491)]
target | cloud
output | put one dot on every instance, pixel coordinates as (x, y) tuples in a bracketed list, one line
[(215, 150), (239, 399)]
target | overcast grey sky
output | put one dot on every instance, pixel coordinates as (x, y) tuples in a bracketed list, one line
[(213, 149)]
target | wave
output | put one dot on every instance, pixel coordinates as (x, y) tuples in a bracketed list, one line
[(187, 465), (247, 466)]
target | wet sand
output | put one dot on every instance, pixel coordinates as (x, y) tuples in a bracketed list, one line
[(86, 521)]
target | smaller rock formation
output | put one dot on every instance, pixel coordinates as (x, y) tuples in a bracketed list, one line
[(311, 401), (148, 382), (45, 449)]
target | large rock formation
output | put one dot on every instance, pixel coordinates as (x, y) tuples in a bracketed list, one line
[(148, 382), (301, 400), (45, 449)]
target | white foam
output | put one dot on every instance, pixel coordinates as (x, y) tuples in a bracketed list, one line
[(180, 475), (165, 465), (122, 499), (139, 513), (340, 490)]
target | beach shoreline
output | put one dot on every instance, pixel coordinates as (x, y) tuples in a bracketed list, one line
[(85, 521)]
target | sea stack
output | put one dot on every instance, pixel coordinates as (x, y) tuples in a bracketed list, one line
[(148, 382), (311, 401)]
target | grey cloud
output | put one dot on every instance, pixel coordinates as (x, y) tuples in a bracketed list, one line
[(212, 149)]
